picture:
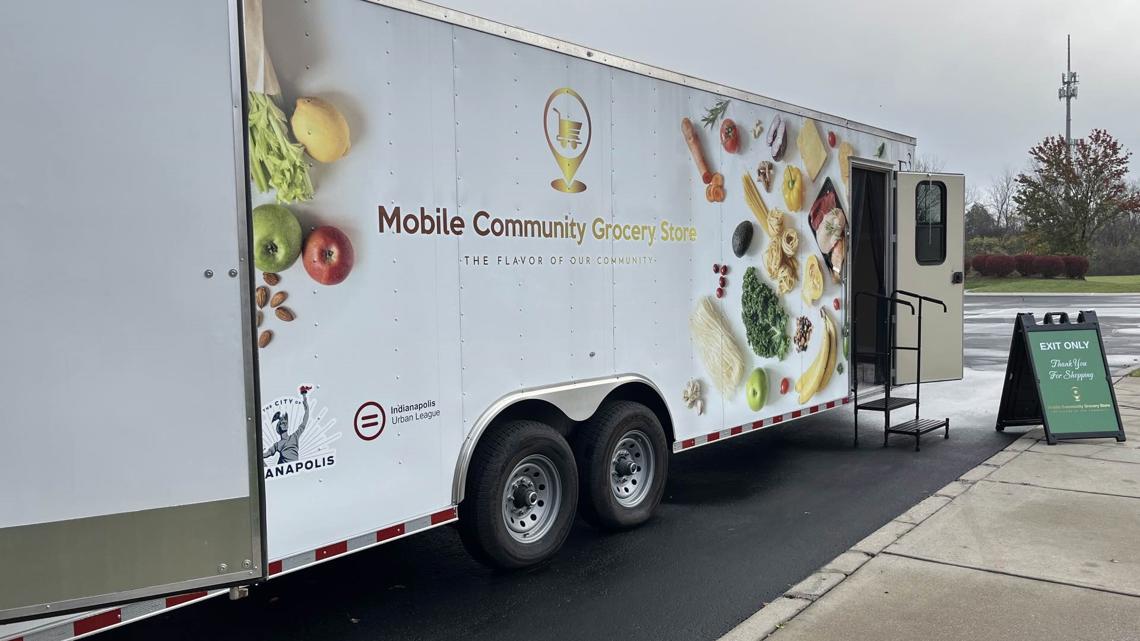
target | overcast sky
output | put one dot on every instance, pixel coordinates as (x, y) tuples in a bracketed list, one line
[(976, 83)]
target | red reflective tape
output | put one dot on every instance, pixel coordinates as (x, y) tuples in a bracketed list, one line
[(797, 414), (443, 516), (777, 419), (332, 550), (830, 404), (736, 430), (713, 437), (179, 599), (390, 533), (97, 622), (689, 442), (758, 424), (274, 568)]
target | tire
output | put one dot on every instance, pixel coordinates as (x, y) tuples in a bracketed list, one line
[(619, 433), (522, 494)]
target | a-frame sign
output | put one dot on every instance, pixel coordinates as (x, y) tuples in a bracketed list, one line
[(1057, 376)]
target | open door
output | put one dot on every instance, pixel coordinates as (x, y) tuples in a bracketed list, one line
[(127, 368), (870, 274), (929, 248)]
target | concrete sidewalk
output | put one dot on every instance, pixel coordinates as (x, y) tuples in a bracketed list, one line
[(1039, 542)]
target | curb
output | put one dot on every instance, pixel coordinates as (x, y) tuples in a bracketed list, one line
[(1045, 294), (773, 616)]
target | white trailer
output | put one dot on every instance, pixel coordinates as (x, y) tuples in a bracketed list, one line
[(475, 274)]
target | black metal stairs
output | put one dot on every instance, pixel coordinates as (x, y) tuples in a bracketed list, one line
[(887, 403)]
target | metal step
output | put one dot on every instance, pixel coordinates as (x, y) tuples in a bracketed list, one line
[(918, 426), (885, 405)]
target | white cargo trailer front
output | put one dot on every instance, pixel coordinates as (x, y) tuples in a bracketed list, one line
[(496, 278)]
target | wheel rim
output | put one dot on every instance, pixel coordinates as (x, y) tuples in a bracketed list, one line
[(531, 499), (631, 468)]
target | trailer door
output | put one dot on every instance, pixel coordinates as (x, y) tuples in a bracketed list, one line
[(929, 248), (130, 466)]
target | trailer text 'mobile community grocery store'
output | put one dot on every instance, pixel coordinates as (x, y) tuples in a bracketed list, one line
[(323, 275)]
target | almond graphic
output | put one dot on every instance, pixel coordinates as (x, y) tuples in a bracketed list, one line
[(271, 279), (285, 314), (261, 296), (264, 338), (260, 317), (278, 298)]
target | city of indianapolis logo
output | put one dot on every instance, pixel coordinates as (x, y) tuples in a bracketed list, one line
[(295, 437), (566, 121)]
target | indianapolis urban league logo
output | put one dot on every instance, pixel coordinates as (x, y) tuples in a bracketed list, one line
[(296, 437), (371, 418), (566, 121)]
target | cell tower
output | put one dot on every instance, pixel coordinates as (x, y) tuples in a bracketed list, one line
[(1068, 90)]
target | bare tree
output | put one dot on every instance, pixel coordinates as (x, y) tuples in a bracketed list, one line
[(1001, 203), (973, 195), (927, 163)]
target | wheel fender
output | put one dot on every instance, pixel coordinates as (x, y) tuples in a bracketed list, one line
[(578, 400)]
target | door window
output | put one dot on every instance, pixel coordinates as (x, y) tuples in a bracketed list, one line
[(930, 223)]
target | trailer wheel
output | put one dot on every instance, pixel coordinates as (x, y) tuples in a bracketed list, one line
[(522, 494), (623, 461)]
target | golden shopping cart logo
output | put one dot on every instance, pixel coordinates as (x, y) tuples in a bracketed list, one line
[(566, 121)]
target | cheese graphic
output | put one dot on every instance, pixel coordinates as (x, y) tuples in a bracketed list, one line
[(845, 153), (812, 151)]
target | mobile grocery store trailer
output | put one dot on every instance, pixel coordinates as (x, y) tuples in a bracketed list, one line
[(286, 283)]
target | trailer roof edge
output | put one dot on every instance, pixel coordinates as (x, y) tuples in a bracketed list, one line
[(459, 18)]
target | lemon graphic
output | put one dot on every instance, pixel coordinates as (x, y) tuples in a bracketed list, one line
[(321, 129)]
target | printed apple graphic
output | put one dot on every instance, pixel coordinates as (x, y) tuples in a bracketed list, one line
[(756, 389), (328, 255), (276, 238)]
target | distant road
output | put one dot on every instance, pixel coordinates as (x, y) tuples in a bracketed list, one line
[(989, 325)]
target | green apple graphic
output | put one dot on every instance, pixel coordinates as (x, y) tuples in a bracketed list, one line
[(276, 238), (757, 389)]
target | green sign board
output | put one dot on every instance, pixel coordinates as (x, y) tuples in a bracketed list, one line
[(1076, 394), (1057, 376)]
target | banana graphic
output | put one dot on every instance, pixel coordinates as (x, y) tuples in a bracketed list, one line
[(833, 355), (819, 373), (755, 203)]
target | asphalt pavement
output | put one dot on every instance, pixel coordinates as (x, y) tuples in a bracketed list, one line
[(741, 522), (989, 325)]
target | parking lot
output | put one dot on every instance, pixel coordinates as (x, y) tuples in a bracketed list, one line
[(740, 523)]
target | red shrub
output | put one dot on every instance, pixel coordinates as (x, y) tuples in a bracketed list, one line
[(1076, 266), (1049, 266), (979, 263), (1025, 264), (1000, 266)]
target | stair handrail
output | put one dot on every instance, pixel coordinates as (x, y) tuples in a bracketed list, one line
[(882, 297), (925, 298), (890, 346)]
